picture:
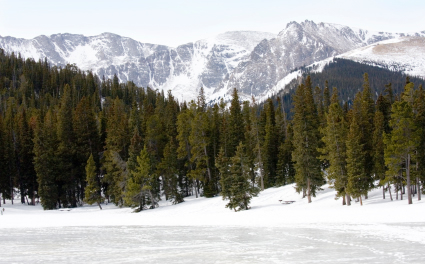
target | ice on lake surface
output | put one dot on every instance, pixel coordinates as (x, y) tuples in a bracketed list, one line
[(201, 244)]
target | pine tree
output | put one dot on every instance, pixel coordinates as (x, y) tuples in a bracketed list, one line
[(378, 146), (10, 147), (92, 192), (335, 136), (24, 149), (367, 114), (46, 161), (420, 151), (222, 163), (285, 166), (4, 186), (270, 146), (257, 142), (86, 142), (184, 149), (116, 177), (168, 169), (308, 175), (66, 151), (326, 97), (199, 140), (117, 141), (235, 124), (402, 142), (358, 184), (139, 191), (241, 191)]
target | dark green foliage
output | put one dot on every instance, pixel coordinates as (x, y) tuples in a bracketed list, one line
[(347, 76), (93, 189), (358, 183), (285, 173), (46, 162), (140, 192), (335, 150), (168, 168), (402, 142), (270, 146), (239, 189), (235, 124), (378, 147), (419, 108), (68, 136), (308, 175)]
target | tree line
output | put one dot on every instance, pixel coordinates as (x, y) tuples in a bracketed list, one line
[(68, 137)]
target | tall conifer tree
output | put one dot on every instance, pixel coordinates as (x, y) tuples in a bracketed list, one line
[(308, 175)]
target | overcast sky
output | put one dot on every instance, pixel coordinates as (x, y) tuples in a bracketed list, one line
[(175, 22)]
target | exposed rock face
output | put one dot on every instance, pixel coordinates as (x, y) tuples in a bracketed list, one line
[(297, 45), (183, 69), (253, 62)]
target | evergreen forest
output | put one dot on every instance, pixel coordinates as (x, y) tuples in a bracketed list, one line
[(69, 137)]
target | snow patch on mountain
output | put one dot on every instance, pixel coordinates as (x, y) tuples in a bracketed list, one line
[(405, 54)]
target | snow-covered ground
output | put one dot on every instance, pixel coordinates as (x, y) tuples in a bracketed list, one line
[(203, 230)]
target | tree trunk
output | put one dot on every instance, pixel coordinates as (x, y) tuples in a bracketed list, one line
[(348, 199), (308, 190), (418, 189), (389, 190), (343, 200), (260, 161), (361, 202), (195, 186), (206, 155), (383, 192), (409, 190), (99, 205), (152, 200), (11, 194)]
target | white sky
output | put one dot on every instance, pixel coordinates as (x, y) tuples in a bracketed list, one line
[(175, 22)]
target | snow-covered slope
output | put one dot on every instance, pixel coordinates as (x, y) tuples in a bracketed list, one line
[(266, 210), (405, 54), (402, 53)]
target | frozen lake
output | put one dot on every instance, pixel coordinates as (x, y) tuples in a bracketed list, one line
[(218, 244)]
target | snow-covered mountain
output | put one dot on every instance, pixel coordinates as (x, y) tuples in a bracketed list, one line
[(299, 44), (183, 70), (256, 63), (404, 54)]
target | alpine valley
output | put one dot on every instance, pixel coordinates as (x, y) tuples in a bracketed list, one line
[(258, 64)]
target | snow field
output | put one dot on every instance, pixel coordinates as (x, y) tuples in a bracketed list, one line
[(202, 230), (266, 210)]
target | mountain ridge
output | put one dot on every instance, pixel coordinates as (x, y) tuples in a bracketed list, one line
[(253, 62)]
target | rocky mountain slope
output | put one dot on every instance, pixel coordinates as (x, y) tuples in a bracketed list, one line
[(256, 63), (297, 45), (183, 70)]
